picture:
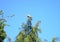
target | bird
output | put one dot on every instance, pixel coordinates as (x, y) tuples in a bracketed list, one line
[(29, 17)]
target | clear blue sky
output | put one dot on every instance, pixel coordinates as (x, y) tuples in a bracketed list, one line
[(48, 11)]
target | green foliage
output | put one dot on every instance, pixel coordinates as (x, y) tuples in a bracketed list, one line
[(54, 40), (31, 37), (2, 24), (22, 36)]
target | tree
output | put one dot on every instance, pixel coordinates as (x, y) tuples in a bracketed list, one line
[(55, 39), (2, 25), (29, 32)]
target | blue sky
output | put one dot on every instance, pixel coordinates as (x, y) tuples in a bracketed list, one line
[(48, 11)]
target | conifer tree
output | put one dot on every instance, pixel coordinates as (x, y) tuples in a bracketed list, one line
[(2, 25), (29, 32)]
